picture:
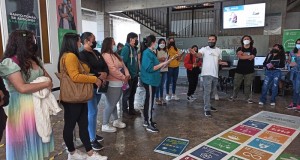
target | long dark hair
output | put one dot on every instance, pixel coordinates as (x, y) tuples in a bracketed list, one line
[(21, 43), (86, 36), (251, 41), (147, 42), (69, 44), (281, 53), (169, 46), (107, 47), (296, 49), (159, 41)]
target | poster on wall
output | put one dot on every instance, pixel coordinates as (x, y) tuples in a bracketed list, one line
[(289, 38), (66, 18), (24, 15)]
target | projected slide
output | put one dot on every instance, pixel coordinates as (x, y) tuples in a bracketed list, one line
[(244, 16)]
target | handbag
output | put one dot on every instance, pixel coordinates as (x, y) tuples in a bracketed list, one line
[(70, 91)]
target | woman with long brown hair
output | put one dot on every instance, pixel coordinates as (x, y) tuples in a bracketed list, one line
[(19, 67), (118, 77)]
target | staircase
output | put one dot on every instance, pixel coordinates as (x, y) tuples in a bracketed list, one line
[(155, 19)]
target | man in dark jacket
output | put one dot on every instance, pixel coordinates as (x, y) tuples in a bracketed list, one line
[(4, 99), (130, 58)]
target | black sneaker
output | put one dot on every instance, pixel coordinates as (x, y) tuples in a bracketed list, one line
[(231, 99), (151, 128), (207, 113), (96, 145), (99, 138), (249, 101), (213, 109), (147, 124)]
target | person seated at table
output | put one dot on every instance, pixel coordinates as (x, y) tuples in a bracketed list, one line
[(245, 68), (273, 63)]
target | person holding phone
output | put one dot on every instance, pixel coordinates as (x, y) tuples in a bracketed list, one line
[(150, 76), (273, 63)]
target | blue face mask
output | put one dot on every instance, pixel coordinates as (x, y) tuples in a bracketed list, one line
[(115, 48), (81, 48), (298, 46)]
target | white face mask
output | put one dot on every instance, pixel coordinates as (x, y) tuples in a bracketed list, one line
[(246, 42), (162, 46)]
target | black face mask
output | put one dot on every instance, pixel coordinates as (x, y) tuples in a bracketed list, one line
[(136, 42), (35, 48), (274, 51), (172, 43), (94, 45), (211, 44)]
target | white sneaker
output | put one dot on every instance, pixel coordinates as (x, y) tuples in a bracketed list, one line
[(119, 124), (168, 98), (192, 97), (77, 155), (272, 104), (108, 128), (174, 97), (217, 97), (260, 103), (96, 156)]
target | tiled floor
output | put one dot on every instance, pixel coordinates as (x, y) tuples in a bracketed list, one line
[(177, 119)]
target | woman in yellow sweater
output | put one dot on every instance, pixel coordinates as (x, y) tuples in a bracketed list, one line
[(76, 112), (173, 69)]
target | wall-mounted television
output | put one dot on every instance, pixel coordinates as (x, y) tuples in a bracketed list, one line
[(244, 16)]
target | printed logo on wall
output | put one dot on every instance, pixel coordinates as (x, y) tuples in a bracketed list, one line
[(172, 146), (263, 136)]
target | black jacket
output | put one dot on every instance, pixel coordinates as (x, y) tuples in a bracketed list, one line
[(95, 61), (5, 92), (271, 57)]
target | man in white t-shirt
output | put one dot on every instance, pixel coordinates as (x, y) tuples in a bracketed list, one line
[(212, 57)]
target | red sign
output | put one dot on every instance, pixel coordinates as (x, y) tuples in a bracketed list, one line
[(247, 130), (282, 130)]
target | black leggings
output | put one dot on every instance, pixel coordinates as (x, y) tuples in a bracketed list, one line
[(150, 92), (76, 112)]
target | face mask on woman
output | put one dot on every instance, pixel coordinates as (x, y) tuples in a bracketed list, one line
[(298, 46), (114, 48), (162, 46), (246, 42)]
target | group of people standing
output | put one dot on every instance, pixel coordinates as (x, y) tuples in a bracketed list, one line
[(115, 73)]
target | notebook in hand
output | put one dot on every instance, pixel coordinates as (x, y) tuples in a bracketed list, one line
[(275, 62)]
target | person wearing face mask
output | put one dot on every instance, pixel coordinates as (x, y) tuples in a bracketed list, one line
[(295, 76), (212, 58), (98, 67), (173, 69), (192, 65), (118, 77), (150, 76), (274, 61), (130, 59), (245, 68), (64, 13), (162, 55)]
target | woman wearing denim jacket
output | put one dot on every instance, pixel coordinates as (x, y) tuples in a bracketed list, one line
[(295, 76), (274, 61)]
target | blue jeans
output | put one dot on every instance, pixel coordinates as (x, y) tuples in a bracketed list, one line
[(160, 88), (209, 85), (172, 76), (92, 114), (296, 88), (272, 78)]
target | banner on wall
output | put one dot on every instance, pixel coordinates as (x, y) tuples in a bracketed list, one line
[(66, 18), (24, 15), (289, 38)]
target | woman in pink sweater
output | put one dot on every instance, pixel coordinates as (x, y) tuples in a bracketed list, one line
[(118, 77)]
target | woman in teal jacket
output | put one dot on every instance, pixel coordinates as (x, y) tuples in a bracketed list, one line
[(150, 76)]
